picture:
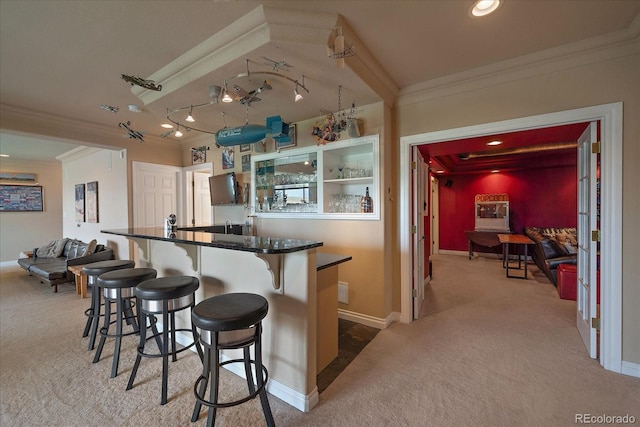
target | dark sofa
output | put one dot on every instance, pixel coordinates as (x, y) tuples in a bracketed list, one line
[(54, 270), (553, 246)]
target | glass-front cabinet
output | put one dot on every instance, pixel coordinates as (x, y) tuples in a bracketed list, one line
[(338, 180)]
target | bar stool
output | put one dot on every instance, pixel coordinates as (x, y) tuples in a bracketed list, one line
[(164, 296), (230, 321), (92, 271), (118, 287)]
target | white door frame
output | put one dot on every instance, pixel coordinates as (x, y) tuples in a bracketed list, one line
[(610, 116), (185, 192)]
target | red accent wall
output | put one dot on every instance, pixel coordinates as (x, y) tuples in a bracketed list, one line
[(537, 197)]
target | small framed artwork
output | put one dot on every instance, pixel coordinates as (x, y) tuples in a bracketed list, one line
[(79, 200), (292, 139), (227, 158), (246, 162), (198, 155), (245, 147), (92, 202)]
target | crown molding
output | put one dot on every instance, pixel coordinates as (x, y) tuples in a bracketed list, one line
[(596, 49), (50, 126)]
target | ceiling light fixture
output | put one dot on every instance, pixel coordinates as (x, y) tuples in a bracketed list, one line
[(225, 96), (190, 118), (495, 171), (4, 155), (485, 7), (167, 126), (134, 108), (215, 91), (178, 133), (496, 142)]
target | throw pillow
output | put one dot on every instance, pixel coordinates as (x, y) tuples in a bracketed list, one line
[(52, 249), (91, 247), (570, 248), (72, 252)]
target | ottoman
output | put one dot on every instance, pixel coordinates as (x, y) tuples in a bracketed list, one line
[(567, 281)]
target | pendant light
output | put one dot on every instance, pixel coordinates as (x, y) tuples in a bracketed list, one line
[(178, 133), (190, 116)]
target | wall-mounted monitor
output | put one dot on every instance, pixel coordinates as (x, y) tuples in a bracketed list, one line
[(223, 189)]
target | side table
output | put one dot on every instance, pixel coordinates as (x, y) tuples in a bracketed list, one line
[(514, 239), (81, 279)]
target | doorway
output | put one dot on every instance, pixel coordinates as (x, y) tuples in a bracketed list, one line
[(610, 115)]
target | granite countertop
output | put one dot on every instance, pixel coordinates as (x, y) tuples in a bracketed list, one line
[(324, 260), (257, 244)]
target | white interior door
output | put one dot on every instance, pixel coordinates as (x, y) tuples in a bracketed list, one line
[(201, 199), (419, 211), (587, 247), (155, 194)]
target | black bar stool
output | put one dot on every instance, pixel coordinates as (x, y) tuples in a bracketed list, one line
[(92, 271), (164, 296), (230, 321), (118, 287)]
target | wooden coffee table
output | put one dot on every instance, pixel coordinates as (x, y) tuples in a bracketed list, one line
[(518, 240)]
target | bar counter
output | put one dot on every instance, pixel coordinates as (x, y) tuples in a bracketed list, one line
[(284, 271)]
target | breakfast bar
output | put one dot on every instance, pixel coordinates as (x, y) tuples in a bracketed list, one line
[(284, 271)]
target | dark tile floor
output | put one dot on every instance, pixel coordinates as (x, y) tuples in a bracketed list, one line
[(352, 338)]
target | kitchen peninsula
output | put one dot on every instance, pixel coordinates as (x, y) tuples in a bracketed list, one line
[(284, 271)]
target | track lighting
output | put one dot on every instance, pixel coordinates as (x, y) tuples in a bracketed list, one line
[(296, 94), (190, 116), (178, 133), (226, 97)]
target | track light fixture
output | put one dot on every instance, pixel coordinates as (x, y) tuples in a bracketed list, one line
[(190, 118), (222, 92), (225, 96)]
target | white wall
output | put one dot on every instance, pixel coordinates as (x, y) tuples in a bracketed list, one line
[(109, 168), (27, 230)]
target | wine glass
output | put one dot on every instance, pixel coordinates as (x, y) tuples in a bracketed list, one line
[(331, 167), (340, 169)]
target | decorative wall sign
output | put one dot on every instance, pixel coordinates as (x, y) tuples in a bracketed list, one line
[(92, 202), (21, 198), (245, 147), (79, 206), (227, 158), (18, 177)]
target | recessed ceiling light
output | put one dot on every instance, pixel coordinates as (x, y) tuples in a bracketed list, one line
[(439, 171), (485, 7), (134, 108), (495, 171), (4, 155), (167, 126), (494, 143)]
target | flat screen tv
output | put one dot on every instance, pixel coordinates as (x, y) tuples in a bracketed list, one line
[(223, 189)]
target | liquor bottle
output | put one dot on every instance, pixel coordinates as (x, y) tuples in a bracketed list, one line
[(366, 203)]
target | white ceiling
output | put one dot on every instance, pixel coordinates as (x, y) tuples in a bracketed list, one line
[(63, 59)]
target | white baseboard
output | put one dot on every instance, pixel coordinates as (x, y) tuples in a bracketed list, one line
[(631, 369), (374, 322), (13, 263)]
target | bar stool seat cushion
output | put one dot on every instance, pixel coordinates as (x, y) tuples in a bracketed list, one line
[(167, 287), (230, 312), (125, 278), (100, 267)]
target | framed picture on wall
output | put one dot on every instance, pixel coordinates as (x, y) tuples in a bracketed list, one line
[(245, 147), (198, 155), (21, 198), (246, 162), (92, 202), (292, 139), (79, 199), (227, 158)]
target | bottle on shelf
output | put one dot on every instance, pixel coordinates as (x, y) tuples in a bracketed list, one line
[(366, 203)]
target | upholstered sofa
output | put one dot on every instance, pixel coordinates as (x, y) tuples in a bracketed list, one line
[(50, 263), (552, 247)]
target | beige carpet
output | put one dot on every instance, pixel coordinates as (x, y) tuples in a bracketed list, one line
[(489, 351)]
